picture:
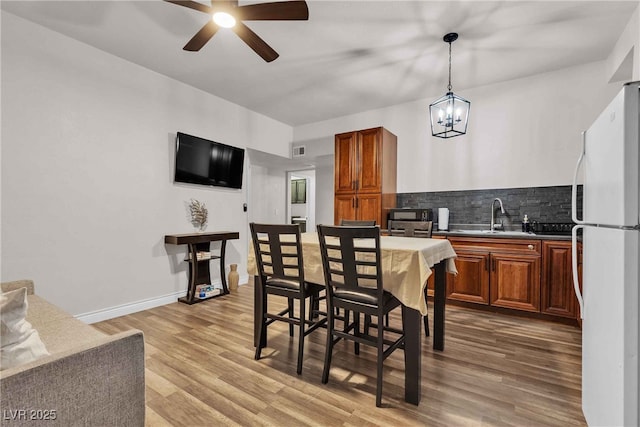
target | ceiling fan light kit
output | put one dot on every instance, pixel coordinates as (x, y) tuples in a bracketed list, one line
[(227, 14), (449, 114), (224, 19)]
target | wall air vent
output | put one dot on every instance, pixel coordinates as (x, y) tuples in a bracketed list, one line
[(299, 151)]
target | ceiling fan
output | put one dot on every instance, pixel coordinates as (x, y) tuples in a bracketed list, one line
[(227, 14)]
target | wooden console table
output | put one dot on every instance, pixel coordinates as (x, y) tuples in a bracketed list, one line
[(199, 256)]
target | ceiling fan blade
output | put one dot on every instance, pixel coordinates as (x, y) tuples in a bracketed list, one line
[(277, 11), (231, 3), (255, 42), (201, 37), (192, 5)]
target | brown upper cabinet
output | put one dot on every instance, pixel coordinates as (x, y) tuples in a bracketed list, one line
[(365, 175)]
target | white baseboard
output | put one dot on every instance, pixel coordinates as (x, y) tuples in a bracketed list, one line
[(134, 307)]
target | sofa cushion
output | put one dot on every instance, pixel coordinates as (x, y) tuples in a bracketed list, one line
[(42, 312), (67, 333), (17, 284), (58, 329), (19, 341)]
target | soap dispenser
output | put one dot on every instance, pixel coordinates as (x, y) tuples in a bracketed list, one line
[(526, 228)]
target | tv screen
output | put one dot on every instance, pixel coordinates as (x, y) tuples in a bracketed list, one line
[(200, 161)]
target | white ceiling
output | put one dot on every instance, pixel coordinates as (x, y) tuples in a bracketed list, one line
[(351, 56)]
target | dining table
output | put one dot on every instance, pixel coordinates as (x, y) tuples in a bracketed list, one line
[(407, 264)]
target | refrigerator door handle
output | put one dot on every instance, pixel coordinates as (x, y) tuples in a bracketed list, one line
[(574, 185), (574, 265)]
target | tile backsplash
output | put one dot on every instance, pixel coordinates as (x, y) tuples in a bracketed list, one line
[(542, 204)]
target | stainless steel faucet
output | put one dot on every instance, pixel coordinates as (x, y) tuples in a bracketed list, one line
[(493, 214)]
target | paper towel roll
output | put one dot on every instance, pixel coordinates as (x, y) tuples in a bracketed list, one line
[(443, 218)]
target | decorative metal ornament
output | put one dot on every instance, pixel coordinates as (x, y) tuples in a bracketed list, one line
[(450, 113)]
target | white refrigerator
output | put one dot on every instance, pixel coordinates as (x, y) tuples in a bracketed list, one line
[(611, 239)]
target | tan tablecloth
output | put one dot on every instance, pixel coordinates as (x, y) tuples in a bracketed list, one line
[(406, 264)]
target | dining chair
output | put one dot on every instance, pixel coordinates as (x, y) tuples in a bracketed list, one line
[(413, 229), (280, 262), (357, 223), (352, 266)]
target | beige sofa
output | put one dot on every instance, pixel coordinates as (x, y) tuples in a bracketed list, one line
[(89, 378)]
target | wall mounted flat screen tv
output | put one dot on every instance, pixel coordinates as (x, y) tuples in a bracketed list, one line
[(200, 161)]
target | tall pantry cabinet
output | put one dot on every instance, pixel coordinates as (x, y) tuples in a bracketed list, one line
[(365, 175)]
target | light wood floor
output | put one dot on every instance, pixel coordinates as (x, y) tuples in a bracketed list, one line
[(496, 370)]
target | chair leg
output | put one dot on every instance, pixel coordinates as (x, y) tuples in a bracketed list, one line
[(346, 317), (367, 324), (301, 329), (290, 304), (356, 331), (329, 347), (313, 306), (259, 346), (262, 331), (380, 361), (386, 320), (315, 313)]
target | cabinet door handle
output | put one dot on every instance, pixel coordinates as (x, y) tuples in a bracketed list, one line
[(493, 264), (486, 264), (530, 247)]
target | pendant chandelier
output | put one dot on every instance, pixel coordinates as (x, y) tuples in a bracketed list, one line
[(450, 113)]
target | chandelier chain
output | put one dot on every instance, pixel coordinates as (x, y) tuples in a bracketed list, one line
[(450, 87)]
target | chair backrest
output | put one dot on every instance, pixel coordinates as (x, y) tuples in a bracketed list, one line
[(278, 251), (411, 228), (357, 223), (351, 259)]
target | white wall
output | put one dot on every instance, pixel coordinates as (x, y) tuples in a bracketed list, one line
[(87, 172), (623, 63), (522, 133), (324, 194), (268, 195)]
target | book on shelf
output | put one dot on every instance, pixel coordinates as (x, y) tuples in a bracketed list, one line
[(206, 291), (199, 256)]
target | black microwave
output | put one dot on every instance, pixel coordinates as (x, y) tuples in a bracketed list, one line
[(408, 214)]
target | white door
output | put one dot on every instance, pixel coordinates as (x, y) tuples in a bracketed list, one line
[(610, 327), (611, 163)]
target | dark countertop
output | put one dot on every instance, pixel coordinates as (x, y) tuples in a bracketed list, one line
[(501, 235)]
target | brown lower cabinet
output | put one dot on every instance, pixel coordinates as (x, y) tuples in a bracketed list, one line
[(558, 297), (515, 280), (471, 284), (514, 274)]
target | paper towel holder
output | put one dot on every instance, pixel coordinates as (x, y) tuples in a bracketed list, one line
[(443, 219)]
